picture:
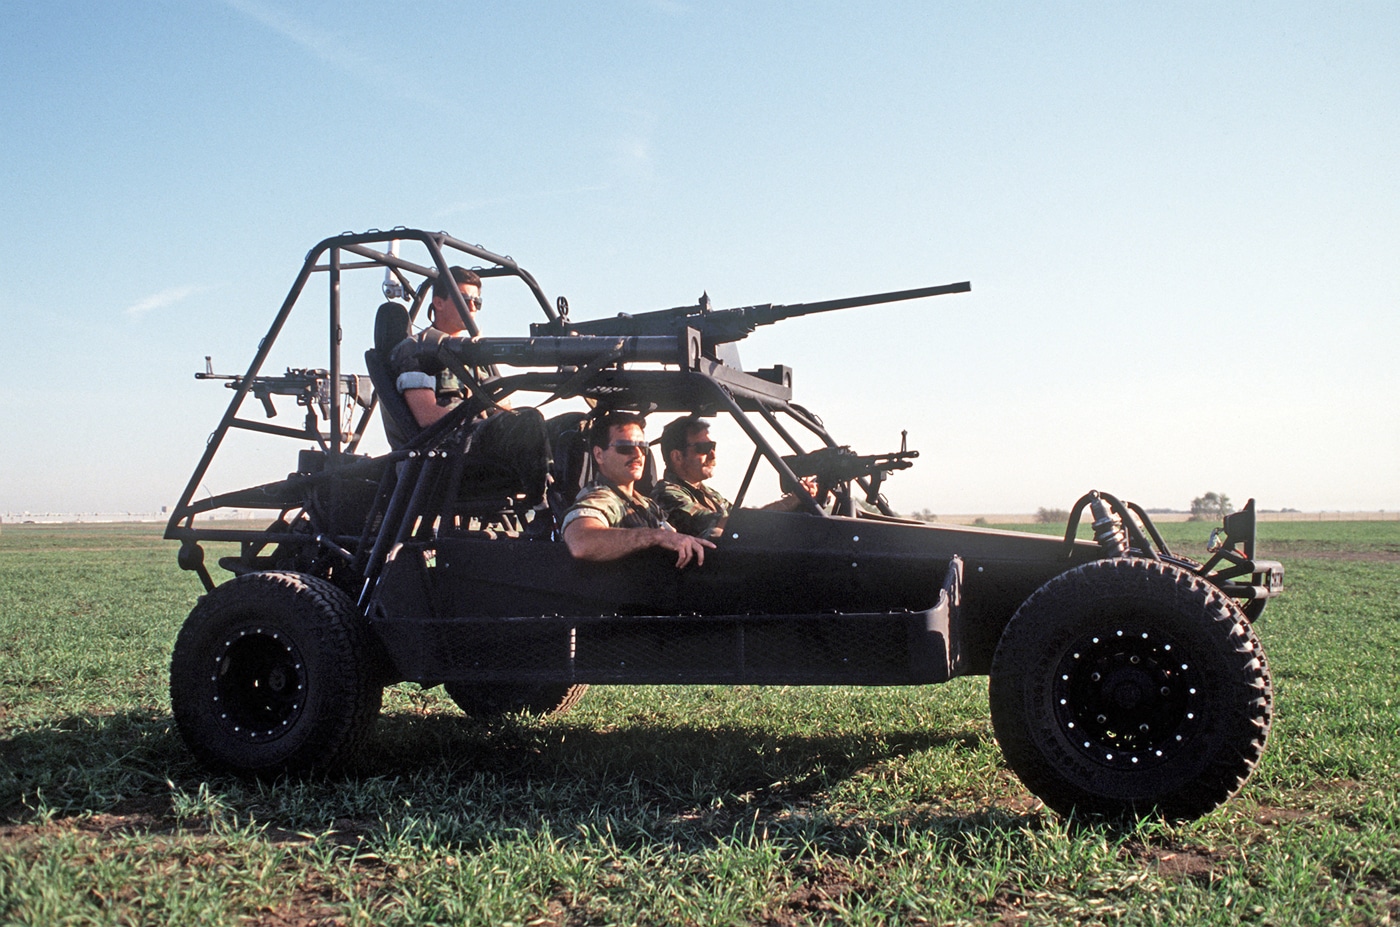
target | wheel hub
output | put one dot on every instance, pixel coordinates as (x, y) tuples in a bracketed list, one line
[(1127, 698), (259, 684)]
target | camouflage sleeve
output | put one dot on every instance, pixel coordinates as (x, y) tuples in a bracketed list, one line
[(682, 511), (596, 503), (405, 357)]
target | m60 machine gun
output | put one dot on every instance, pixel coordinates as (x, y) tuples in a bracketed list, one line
[(1126, 678), (311, 387)]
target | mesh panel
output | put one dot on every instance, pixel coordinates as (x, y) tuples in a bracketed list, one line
[(790, 649)]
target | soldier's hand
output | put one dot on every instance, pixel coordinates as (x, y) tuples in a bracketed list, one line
[(687, 548)]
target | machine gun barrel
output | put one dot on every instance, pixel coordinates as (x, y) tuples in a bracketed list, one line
[(724, 325), (571, 350)]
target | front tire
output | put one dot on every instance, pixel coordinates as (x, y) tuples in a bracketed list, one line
[(1131, 687), (273, 673)]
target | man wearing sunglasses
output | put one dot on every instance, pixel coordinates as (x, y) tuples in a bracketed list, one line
[(691, 506), (610, 519), (430, 389)]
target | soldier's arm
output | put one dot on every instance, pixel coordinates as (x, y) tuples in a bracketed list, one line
[(791, 501), (418, 389), (591, 539), (424, 406)]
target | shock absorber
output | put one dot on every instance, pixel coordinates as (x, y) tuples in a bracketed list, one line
[(1112, 538)]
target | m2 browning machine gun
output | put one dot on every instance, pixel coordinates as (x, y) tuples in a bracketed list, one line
[(721, 326)]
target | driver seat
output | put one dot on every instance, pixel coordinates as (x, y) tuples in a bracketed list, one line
[(391, 326)]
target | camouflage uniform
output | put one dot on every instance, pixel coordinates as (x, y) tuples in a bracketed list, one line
[(696, 510), (415, 366), (605, 501)]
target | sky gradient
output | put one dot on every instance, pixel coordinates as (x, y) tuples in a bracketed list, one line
[(1180, 224)]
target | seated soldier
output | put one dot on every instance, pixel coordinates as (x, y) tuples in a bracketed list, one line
[(508, 449), (610, 519), (429, 388), (690, 506)]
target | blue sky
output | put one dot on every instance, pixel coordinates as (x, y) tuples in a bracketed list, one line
[(1180, 222)]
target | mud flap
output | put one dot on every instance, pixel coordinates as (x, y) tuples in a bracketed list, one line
[(935, 635)]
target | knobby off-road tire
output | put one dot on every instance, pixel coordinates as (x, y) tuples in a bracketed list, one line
[(1128, 688), (273, 673), (486, 701)]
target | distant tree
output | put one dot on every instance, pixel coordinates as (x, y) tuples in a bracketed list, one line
[(1046, 516), (1212, 506)]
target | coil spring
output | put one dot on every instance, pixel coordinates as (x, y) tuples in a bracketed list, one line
[(1109, 532)]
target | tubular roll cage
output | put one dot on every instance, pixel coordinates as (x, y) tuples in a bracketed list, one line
[(405, 475)]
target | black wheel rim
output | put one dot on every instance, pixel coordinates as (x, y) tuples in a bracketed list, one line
[(1128, 699), (259, 684)]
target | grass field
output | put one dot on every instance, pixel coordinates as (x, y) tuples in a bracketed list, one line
[(699, 805)]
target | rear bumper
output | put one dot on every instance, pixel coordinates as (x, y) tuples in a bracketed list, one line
[(1264, 581)]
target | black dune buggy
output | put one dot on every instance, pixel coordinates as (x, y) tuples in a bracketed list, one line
[(1125, 679)]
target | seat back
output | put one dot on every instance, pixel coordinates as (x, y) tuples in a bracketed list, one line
[(568, 443), (391, 326), (573, 461)]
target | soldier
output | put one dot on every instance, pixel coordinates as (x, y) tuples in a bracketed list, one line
[(610, 519), (692, 507), (429, 388)]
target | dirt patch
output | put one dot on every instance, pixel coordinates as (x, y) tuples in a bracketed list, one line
[(147, 814), (15, 834), (1176, 863), (1004, 907), (309, 906), (1276, 817), (817, 896)]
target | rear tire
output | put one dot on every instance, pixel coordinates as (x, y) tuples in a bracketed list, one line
[(485, 701), (274, 673), (1131, 687)]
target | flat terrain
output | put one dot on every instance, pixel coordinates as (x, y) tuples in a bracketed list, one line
[(699, 805)]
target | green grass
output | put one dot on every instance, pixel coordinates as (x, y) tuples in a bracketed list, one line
[(696, 805), (1276, 539)]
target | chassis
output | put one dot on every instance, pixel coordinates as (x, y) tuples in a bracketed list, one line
[(1125, 679)]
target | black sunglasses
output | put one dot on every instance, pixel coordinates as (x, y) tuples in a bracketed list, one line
[(627, 447), (703, 447)]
